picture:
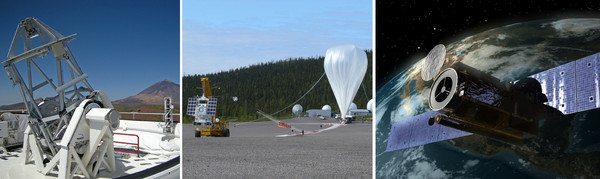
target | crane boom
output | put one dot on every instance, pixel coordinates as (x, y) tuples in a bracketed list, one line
[(208, 94), (206, 88)]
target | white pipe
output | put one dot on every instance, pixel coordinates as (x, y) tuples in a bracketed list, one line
[(157, 131)]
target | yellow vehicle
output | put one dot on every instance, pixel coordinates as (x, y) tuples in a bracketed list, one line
[(206, 121)]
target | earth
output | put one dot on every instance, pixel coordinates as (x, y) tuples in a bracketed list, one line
[(508, 53)]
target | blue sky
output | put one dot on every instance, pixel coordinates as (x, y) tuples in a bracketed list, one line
[(222, 35), (124, 46)]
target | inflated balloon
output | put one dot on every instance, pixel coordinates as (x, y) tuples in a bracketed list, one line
[(345, 67)]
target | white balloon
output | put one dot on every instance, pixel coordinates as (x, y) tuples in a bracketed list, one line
[(297, 109), (370, 105), (345, 67)]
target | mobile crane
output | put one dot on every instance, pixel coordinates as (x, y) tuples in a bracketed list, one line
[(204, 110)]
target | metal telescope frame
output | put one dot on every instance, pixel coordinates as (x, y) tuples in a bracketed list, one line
[(60, 105), (67, 128)]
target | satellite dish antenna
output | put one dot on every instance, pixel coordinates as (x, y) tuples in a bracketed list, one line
[(433, 62)]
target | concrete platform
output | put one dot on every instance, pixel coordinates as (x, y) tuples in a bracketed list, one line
[(253, 151), (156, 149)]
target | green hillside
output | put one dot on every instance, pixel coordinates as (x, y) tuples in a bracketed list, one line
[(271, 86)]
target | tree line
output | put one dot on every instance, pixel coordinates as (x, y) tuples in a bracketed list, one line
[(271, 86)]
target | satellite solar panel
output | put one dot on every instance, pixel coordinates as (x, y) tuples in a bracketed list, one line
[(558, 85), (567, 89), (191, 107), (587, 83), (212, 107), (416, 131), (572, 87)]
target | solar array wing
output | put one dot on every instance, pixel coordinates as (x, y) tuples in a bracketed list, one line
[(416, 131), (212, 107), (572, 87), (191, 107)]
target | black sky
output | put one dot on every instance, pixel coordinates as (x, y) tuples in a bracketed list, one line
[(406, 30)]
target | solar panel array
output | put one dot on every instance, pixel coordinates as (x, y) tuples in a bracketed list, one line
[(191, 107), (212, 107), (588, 70), (416, 131), (572, 87)]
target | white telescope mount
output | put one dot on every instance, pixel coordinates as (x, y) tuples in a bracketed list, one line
[(70, 133)]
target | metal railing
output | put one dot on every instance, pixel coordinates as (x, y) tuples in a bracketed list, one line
[(145, 113), (128, 143)]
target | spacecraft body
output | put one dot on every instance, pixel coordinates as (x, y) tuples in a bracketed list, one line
[(473, 101)]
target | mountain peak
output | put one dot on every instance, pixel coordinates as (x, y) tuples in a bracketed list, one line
[(162, 86), (153, 95)]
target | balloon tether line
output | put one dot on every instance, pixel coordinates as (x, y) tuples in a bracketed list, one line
[(311, 88)]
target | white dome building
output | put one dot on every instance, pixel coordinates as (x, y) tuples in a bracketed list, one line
[(326, 108), (353, 106), (370, 105), (297, 109), (324, 112)]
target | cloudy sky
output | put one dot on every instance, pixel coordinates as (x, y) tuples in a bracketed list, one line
[(223, 35)]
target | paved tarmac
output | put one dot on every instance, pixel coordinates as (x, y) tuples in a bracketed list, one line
[(253, 151)]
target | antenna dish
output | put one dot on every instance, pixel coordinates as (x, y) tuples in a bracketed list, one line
[(433, 62)]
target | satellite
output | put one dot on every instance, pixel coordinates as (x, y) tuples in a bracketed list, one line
[(465, 101), (203, 107)]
